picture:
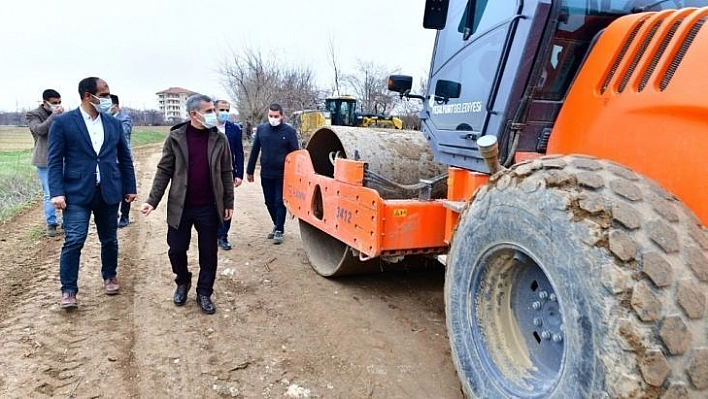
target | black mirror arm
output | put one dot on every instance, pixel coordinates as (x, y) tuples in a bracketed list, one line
[(441, 100), (408, 94)]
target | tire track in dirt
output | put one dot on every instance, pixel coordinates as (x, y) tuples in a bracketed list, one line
[(47, 351)]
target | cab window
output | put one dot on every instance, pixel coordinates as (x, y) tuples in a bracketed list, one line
[(488, 15), (578, 23)]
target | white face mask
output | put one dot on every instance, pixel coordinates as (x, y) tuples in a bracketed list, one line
[(52, 107), (274, 121), (210, 120)]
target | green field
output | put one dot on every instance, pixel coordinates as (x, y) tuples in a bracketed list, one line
[(15, 162), (19, 138), (143, 135), (19, 185)]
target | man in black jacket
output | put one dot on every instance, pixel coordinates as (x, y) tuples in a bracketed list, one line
[(276, 140)]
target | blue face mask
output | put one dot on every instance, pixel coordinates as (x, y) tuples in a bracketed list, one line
[(104, 104), (209, 120), (223, 116)]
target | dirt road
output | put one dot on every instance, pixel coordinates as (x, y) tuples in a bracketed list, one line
[(280, 331)]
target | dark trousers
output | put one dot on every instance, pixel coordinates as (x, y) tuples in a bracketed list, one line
[(224, 229), (205, 220), (76, 223), (125, 209), (273, 195)]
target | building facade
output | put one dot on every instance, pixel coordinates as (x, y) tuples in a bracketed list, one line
[(172, 103)]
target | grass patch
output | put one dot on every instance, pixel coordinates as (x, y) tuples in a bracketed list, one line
[(14, 163), (18, 182), (19, 185), (35, 233), (148, 135), (19, 204)]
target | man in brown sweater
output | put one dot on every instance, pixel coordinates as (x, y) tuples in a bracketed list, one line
[(197, 161), (39, 120)]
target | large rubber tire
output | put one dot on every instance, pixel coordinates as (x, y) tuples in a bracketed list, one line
[(571, 277)]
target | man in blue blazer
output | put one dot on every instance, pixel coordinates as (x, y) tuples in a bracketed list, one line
[(233, 135), (90, 171)]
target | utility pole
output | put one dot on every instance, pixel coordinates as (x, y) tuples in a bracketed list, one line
[(18, 119)]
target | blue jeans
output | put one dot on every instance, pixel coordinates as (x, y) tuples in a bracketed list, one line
[(76, 223), (50, 214), (224, 229), (273, 195)]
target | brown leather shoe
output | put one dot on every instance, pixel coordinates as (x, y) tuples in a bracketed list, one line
[(68, 300), (111, 286)]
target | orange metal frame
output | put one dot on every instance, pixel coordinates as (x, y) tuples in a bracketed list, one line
[(661, 132), (356, 215)]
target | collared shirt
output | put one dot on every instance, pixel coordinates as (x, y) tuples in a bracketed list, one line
[(222, 127), (95, 130)]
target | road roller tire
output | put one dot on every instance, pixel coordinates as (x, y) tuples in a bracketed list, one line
[(401, 156), (572, 277), (330, 257)]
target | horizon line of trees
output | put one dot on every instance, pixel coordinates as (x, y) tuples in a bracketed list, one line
[(141, 117)]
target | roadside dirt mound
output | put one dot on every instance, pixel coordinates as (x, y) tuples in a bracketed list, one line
[(279, 331)]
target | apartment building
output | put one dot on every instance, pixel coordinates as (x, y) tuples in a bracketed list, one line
[(172, 103)]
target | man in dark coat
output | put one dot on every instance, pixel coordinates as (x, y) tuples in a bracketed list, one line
[(196, 163)]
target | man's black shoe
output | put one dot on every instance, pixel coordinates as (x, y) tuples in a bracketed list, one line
[(123, 222), (224, 244), (206, 304), (181, 294)]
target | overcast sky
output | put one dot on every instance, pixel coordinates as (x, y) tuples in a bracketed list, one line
[(142, 46)]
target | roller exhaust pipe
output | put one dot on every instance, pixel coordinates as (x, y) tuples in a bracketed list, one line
[(489, 150)]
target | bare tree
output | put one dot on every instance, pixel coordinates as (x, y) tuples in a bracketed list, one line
[(255, 81), (251, 80), (334, 63), (145, 117), (370, 87), (298, 90)]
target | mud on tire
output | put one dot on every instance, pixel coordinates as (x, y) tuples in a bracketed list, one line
[(576, 277)]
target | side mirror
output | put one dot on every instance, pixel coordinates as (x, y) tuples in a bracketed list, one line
[(435, 15), (400, 83), (446, 89)]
